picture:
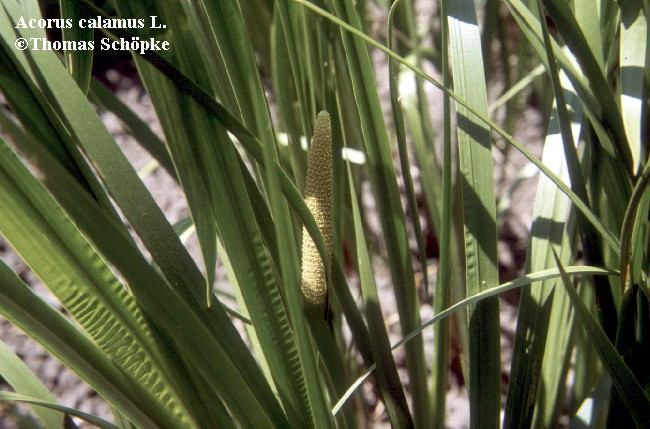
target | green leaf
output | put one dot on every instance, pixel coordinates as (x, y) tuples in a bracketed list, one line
[(607, 235), (602, 114), (187, 133), (78, 277), (79, 62), (627, 386), (542, 339), (384, 185), (159, 237), (285, 92), (565, 21), (25, 382), (136, 126), (117, 174), (591, 413), (65, 342), (525, 280), (387, 377), (633, 58), (237, 225), (400, 131), (479, 213), (94, 420), (232, 371), (450, 256), (39, 118), (633, 228)]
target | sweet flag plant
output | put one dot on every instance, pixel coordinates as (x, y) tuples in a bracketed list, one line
[(293, 129)]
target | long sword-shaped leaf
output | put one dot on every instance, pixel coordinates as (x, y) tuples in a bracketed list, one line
[(118, 175), (479, 213), (78, 61), (141, 210), (391, 213), (227, 27), (566, 23), (387, 377), (58, 336), (400, 131), (520, 282), (145, 216), (598, 108), (236, 373), (24, 381), (627, 386), (633, 223), (607, 235), (237, 223), (186, 134), (633, 57), (228, 169), (136, 126), (94, 420), (39, 117), (78, 276), (590, 243), (540, 309), (448, 252)]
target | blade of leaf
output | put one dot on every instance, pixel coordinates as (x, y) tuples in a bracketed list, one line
[(387, 377), (79, 62), (592, 410), (58, 336), (138, 128), (567, 26), (517, 283), (25, 382), (479, 214), (78, 276), (539, 342), (627, 386), (158, 236), (590, 242), (608, 236), (37, 115), (632, 217), (449, 251), (391, 213), (94, 420), (405, 163), (592, 103), (237, 224), (633, 51), (153, 292)]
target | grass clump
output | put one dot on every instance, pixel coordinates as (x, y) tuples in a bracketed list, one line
[(151, 332)]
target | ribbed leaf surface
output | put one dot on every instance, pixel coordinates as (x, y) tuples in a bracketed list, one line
[(78, 276)]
